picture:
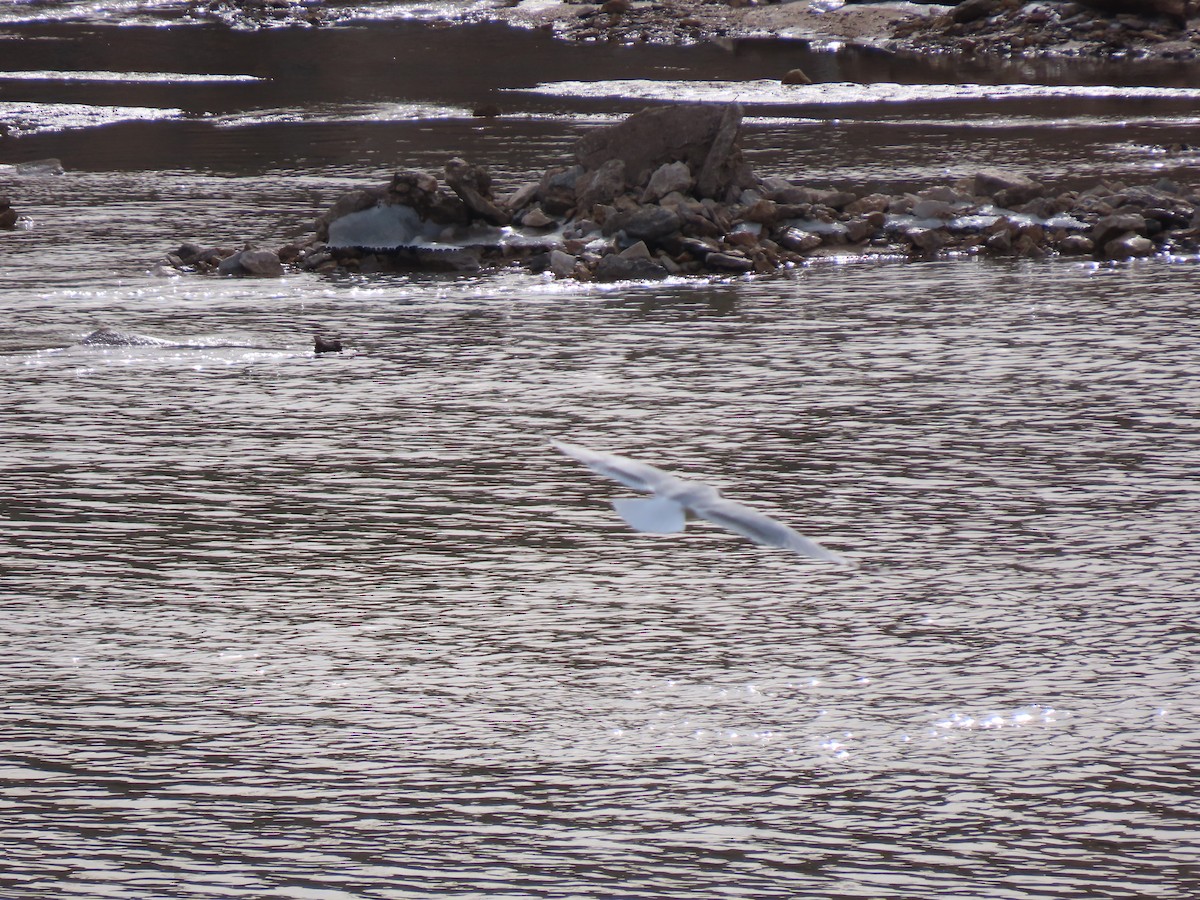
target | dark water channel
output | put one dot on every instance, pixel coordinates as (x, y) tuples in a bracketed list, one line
[(286, 626)]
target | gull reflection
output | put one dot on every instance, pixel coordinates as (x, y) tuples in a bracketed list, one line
[(673, 498)]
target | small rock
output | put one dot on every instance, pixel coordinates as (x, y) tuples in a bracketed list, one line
[(261, 262), (859, 230), (1128, 246), (1000, 241), (473, 185), (1076, 243), (972, 10), (636, 251), (868, 204), (521, 197), (652, 223), (764, 212), (601, 186), (835, 199), (927, 240), (562, 264), (795, 76), (1112, 227), (729, 262), (536, 218), (614, 267), (798, 241), (932, 209), (8, 217), (667, 179), (231, 265), (326, 345), (1005, 188), (486, 111)]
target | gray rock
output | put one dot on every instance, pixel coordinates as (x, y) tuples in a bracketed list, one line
[(927, 240), (1112, 227), (669, 178), (1005, 188), (460, 259), (231, 265), (798, 241), (859, 230), (719, 174), (562, 264), (602, 186), (729, 262), (521, 197), (868, 204), (261, 262), (1000, 241), (651, 223), (616, 268), (636, 251), (971, 10), (1128, 246), (474, 187), (654, 136), (1076, 243), (932, 209), (536, 218)]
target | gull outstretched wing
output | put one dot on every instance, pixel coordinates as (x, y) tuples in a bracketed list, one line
[(762, 529), (629, 472)]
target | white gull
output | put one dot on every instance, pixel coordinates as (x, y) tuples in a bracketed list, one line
[(666, 511)]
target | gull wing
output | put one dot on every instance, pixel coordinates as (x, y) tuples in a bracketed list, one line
[(762, 529), (629, 472), (653, 514)]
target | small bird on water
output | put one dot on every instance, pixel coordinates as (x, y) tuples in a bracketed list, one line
[(666, 511)]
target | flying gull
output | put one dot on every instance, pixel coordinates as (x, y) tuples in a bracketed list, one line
[(673, 498)]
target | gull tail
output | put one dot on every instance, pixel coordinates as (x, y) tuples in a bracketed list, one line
[(655, 514)]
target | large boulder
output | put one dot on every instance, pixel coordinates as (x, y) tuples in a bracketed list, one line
[(703, 136), (473, 186), (1007, 189)]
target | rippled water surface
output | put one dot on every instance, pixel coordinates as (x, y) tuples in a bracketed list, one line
[(279, 625)]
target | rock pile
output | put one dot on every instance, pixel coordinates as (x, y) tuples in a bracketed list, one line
[(668, 192)]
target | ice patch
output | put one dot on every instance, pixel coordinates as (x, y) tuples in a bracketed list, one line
[(382, 227)]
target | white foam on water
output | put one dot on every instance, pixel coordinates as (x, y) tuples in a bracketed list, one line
[(771, 92), (121, 77), (40, 118)]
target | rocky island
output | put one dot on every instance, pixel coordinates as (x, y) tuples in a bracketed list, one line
[(669, 192)]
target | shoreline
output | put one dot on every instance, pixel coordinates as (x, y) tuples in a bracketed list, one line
[(1001, 28), (1160, 30)]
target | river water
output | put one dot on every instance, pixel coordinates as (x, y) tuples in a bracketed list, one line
[(286, 626)]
